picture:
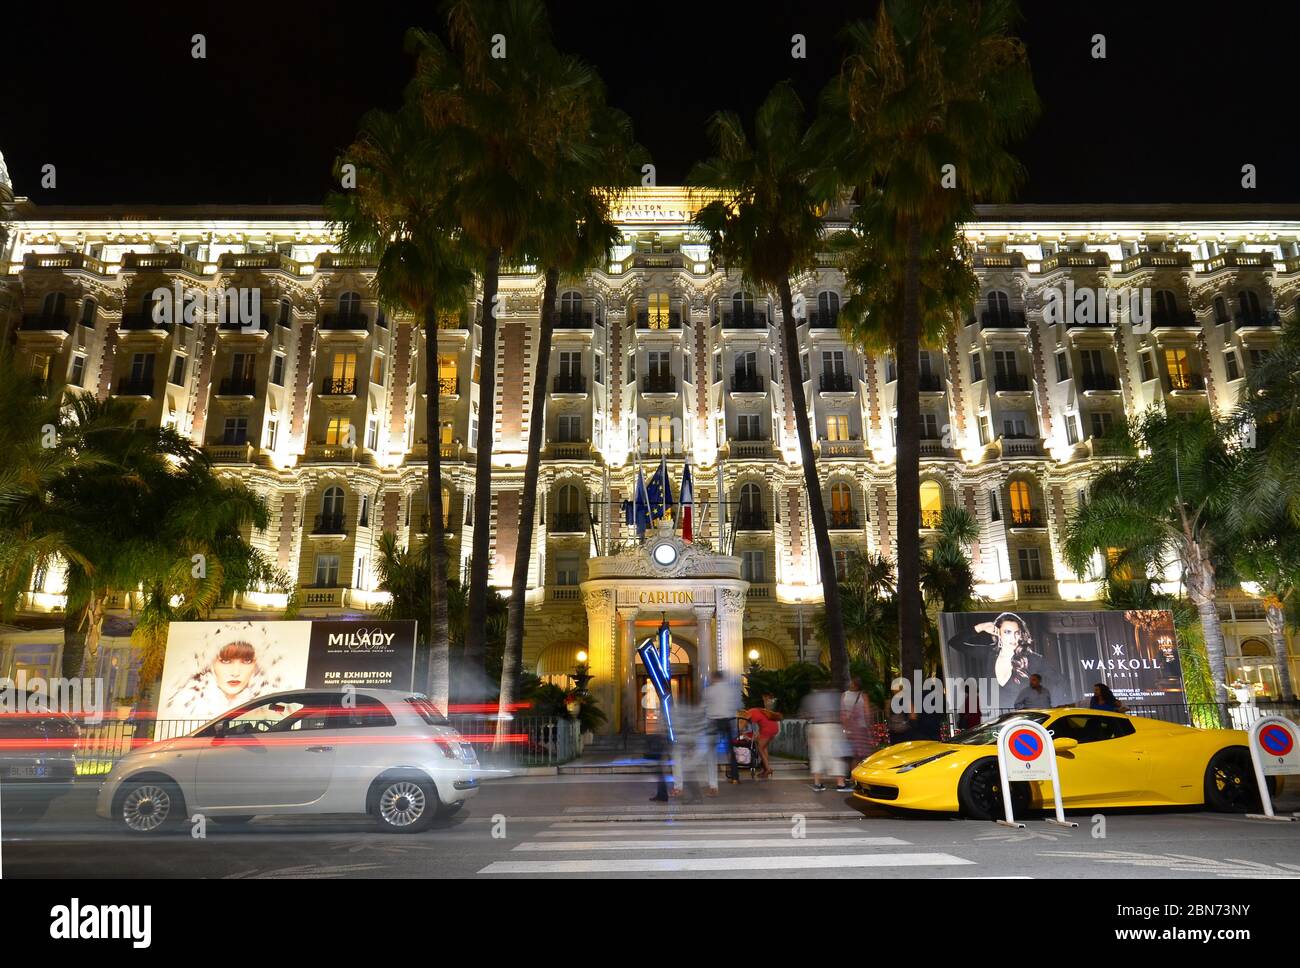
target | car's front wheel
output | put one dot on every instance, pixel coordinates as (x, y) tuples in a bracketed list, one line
[(979, 792), (150, 805), (404, 804), (1230, 785)]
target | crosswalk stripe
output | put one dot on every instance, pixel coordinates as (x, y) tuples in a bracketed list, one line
[(701, 827), (669, 834), (670, 865), (722, 843)]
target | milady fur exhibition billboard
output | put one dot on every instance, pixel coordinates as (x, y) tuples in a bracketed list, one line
[(212, 667), (1133, 653)]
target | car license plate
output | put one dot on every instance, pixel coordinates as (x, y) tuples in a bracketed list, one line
[(22, 772)]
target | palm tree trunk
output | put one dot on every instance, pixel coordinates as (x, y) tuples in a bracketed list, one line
[(437, 674), (816, 506), (1201, 587), (907, 461), (470, 687), (1277, 626), (74, 641), (513, 657)]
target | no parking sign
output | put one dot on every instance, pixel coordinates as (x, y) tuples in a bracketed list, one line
[(1025, 752), (1274, 751)]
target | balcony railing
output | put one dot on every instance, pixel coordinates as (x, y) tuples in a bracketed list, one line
[(820, 320), (1012, 319), (573, 320), (352, 321), (343, 386), (48, 322), (226, 452), (1074, 260), (422, 526), (568, 450), (143, 321), (1237, 260), (1156, 260), (837, 383), (448, 386), (1178, 319), (748, 383), (129, 386), (930, 383), (237, 386), (744, 320), (1185, 381), (660, 383), (1099, 381), (1026, 518), (749, 449), (931, 519), (1011, 382), (1021, 446), (328, 524), (569, 522), (751, 519), (1034, 588), (570, 383), (143, 261), (932, 447), (1270, 318), (65, 261), (645, 320), (840, 448), (843, 518)]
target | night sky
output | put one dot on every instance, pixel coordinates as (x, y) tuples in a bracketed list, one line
[(111, 96)]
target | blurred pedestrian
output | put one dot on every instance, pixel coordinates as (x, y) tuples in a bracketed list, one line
[(855, 716), (827, 746), (721, 703), (693, 735)]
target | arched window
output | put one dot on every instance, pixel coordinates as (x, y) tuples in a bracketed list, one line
[(286, 313), (750, 515), (742, 303), (1248, 305), (842, 515), (54, 304), (931, 504), (88, 311), (999, 304), (332, 501), (1166, 305), (828, 305), (1220, 311), (350, 304), (571, 304), (568, 509), (1022, 511)]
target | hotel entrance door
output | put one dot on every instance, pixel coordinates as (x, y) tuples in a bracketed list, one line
[(682, 686)]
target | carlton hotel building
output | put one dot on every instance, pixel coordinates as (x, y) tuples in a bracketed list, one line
[(321, 408)]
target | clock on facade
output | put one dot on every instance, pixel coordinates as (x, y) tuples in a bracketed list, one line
[(664, 554)]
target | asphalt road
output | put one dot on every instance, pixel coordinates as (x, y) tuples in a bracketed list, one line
[(604, 826)]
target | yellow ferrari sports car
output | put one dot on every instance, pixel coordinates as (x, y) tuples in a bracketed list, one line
[(1104, 760)]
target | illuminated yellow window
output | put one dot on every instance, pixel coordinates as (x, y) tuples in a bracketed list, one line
[(446, 507), (41, 366), (661, 430), (841, 498), (447, 374), (338, 432), (344, 366), (658, 310), (837, 426), (446, 435), (1021, 510), (1117, 571), (1176, 365), (377, 371), (931, 504)]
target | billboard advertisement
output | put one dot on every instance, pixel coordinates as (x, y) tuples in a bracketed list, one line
[(1134, 654), (212, 667)]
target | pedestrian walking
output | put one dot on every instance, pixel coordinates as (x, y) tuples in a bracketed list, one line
[(721, 703), (693, 735), (827, 747), (856, 718)]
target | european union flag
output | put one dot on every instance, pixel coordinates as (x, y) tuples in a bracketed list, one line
[(641, 512), (661, 492)]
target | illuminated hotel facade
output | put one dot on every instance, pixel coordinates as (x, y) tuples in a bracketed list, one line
[(320, 407)]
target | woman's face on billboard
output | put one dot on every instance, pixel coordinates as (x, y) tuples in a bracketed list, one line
[(233, 675), (1008, 635)]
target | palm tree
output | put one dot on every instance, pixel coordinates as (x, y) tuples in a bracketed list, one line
[(574, 234), (947, 574), (499, 119), (870, 612), (1271, 559), (398, 214), (767, 224), (1269, 408), (927, 98), (1168, 502)]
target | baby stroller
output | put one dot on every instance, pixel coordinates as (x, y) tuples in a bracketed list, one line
[(744, 748)]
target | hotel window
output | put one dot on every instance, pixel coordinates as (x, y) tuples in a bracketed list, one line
[(142, 368), (1004, 363), (349, 304), (1166, 305), (1062, 366), (749, 426), (746, 366), (1248, 305), (891, 368), (841, 564), (999, 306), (571, 304), (828, 305), (566, 570), (338, 432), (976, 368), (660, 430), (343, 373), (570, 429), (742, 304), (982, 425), (1013, 425), (657, 312), (841, 503), (285, 318), (272, 433), (1221, 317), (54, 304), (377, 370), (1021, 508), (995, 510), (277, 370), (1031, 567), (327, 571), (88, 310), (473, 432), (332, 502), (78, 370), (381, 318), (833, 364), (235, 431), (717, 367), (598, 368), (364, 518), (837, 426), (445, 433), (1178, 368), (597, 433), (1091, 365), (1231, 364), (372, 433), (241, 369), (1071, 429), (41, 366), (753, 567), (804, 372), (931, 504), (1257, 358), (570, 367), (1100, 422), (446, 375), (1148, 365), (631, 367), (929, 426), (657, 365), (477, 372)]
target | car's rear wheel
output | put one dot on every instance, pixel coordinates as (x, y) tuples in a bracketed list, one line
[(1230, 785), (979, 792), (404, 804), (150, 805)]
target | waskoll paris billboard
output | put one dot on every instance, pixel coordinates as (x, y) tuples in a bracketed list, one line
[(1133, 653), (212, 667)]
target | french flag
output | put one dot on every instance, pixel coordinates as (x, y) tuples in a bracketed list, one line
[(688, 499)]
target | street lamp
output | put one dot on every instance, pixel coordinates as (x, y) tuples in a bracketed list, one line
[(580, 674)]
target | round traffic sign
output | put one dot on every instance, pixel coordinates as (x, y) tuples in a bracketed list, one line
[(1025, 745), (1276, 739)]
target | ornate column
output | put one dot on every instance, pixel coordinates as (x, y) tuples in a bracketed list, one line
[(627, 711), (705, 646), (731, 630), (602, 653)]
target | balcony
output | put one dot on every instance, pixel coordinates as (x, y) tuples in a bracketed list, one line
[(1011, 383), (1179, 319), (344, 260), (645, 320), (1099, 382), (1184, 382), (328, 524), (1237, 260), (65, 261), (422, 526), (1026, 518), (740, 449), (843, 519), (330, 453), (166, 261), (744, 320), (143, 322), (930, 383), (932, 448), (1156, 260), (569, 383), (760, 589), (233, 324), (569, 522), (750, 519), (572, 320), (837, 383), (1035, 588), (931, 518), (840, 448), (448, 386), (748, 383), (356, 322), (265, 261), (237, 386), (1264, 320), (659, 383), (46, 322), (1020, 446), (568, 450), (823, 320), (1074, 260), (999, 260), (340, 387), (322, 596), (224, 452), (135, 386), (1007, 320)]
